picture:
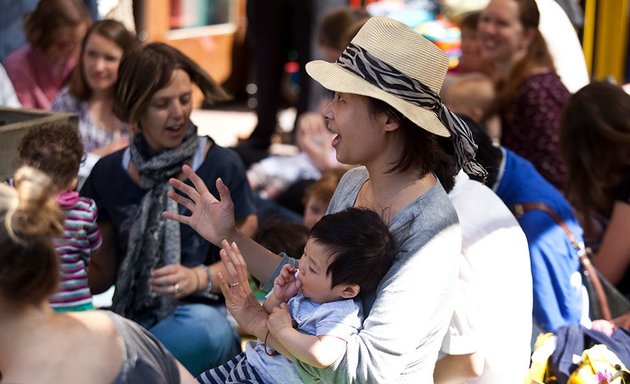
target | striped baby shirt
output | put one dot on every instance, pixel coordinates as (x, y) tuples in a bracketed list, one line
[(80, 239)]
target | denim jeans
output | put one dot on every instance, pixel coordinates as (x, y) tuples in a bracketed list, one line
[(199, 336)]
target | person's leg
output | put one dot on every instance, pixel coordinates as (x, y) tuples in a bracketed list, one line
[(199, 336), (270, 44), (237, 370)]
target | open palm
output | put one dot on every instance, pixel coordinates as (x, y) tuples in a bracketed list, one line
[(212, 218)]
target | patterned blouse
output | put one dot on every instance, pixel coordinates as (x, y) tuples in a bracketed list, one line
[(94, 136), (530, 128)]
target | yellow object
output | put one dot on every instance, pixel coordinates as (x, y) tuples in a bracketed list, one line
[(598, 365), (543, 349)]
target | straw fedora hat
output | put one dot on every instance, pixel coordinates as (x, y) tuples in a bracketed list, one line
[(398, 46)]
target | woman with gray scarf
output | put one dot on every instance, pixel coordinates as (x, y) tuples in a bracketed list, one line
[(164, 272)]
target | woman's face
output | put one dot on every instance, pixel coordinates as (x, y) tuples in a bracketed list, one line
[(358, 134), (471, 59), (66, 44), (501, 35), (101, 58), (164, 122)]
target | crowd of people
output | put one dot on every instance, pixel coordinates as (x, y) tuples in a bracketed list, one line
[(431, 227)]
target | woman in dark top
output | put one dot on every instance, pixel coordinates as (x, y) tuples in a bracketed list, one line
[(163, 272), (595, 143), (530, 94), (40, 346)]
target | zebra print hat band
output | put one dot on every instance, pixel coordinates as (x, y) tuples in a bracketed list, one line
[(384, 76)]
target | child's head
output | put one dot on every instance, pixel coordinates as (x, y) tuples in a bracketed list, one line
[(337, 29), (471, 94), (470, 59), (347, 253), (318, 195), (56, 150)]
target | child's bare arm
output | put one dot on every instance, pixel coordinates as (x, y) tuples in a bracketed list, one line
[(318, 351)]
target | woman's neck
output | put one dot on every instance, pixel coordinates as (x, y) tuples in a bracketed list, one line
[(388, 193), (504, 69)]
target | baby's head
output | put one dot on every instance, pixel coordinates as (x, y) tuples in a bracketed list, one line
[(55, 149), (347, 253), (470, 94), (318, 195)]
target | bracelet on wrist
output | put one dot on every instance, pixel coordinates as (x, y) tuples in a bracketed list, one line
[(208, 288)]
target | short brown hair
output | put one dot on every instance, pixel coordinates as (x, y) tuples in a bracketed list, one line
[(111, 30), (146, 70), (55, 149), (41, 24)]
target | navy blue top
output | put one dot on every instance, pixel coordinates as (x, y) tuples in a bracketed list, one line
[(117, 197)]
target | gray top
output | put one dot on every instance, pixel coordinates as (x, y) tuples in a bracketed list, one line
[(145, 359), (407, 317)]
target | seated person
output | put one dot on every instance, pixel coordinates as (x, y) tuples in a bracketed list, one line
[(54, 30), (347, 254), (40, 346), (162, 272), (56, 150), (559, 298)]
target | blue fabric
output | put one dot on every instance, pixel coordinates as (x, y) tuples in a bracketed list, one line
[(573, 340), (554, 261), (210, 339), (237, 370)]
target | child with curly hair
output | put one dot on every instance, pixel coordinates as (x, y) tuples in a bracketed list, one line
[(56, 150)]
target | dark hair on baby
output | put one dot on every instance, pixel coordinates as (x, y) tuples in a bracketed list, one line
[(30, 217), (361, 245)]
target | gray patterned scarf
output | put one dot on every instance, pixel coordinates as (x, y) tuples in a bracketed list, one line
[(377, 72), (153, 241)]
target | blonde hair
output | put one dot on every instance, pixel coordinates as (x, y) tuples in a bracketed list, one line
[(28, 263)]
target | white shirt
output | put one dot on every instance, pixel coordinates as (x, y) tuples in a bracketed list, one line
[(8, 98), (493, 310)]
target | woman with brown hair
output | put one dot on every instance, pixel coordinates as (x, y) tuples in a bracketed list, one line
[(530, 93), (595, 143), (90, 93), (54, 31), (39, 346), (161, 269)]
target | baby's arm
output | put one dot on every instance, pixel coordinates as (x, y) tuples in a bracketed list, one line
[(285, 286), (318, 351)]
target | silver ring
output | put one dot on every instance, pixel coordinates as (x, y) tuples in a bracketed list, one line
[(234, 284), (176, 287)]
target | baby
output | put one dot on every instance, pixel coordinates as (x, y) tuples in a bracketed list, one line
[(347, 254)]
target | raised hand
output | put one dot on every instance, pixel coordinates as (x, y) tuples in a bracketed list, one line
[(239, 298), (213, 219)]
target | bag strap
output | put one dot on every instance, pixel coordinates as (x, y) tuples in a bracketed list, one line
[(521, 208)]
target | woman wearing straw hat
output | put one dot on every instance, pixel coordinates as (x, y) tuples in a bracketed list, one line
[(386, 116)]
